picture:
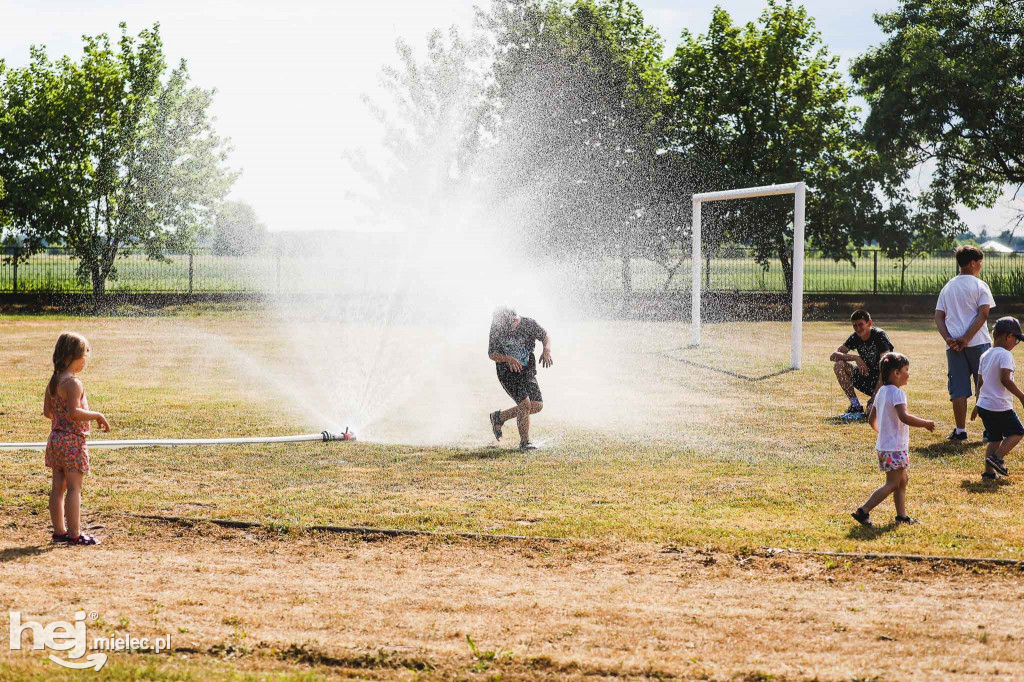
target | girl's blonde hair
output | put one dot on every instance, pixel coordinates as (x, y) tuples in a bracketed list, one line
[(70, 347)]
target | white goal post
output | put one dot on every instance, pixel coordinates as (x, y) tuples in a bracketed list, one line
[(798, 190)]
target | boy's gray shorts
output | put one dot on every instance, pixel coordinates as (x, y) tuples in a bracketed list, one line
[(962, 366)]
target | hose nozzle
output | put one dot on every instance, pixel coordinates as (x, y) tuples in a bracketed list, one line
[(330, 435)]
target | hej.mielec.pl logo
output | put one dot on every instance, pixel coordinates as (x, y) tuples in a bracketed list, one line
[(71, 637)]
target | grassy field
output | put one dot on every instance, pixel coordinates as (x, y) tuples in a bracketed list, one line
[(728, 272), (669, 470), (682, 452)]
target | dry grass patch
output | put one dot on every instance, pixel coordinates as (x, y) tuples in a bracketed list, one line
[(309, 606)]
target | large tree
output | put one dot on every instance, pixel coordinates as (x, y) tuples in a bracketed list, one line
[(3, 216), (947, 87), (109, 152), (433, 128), (764, 104), (581, 93)]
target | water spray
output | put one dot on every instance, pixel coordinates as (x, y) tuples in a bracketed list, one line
[(323, 436)]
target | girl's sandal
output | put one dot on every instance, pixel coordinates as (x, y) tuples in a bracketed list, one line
[(862, 517), (908, 520), (84, 540), (59, 537)]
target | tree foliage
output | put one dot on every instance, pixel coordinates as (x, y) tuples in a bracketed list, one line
[(237, 231), (948, 87), (105, 153), (764, 104), (581, 93), (433, 130)]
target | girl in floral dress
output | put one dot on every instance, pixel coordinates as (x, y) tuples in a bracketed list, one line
[(889, 417), (67, 456)]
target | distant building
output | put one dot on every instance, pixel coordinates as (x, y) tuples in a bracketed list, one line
[(993, 245)]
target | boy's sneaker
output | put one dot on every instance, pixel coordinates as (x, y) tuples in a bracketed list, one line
[(863, 518), (527, 445), (998, 465), (496, 424), (909, 520), (988, 475), (853, 414), (957, 437)]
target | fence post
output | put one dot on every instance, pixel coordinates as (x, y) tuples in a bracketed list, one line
[(875, 288), (15, 251), (190, 254)]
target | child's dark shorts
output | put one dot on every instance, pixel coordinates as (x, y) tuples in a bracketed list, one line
[(520, 385), (999, 425), (865, 383)]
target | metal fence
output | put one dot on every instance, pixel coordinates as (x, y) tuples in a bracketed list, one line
[(55, 270)]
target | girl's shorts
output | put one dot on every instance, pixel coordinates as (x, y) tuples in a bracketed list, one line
[(67, 451), (891, 460)]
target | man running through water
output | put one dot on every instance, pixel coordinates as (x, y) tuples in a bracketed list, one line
[(511, 345)]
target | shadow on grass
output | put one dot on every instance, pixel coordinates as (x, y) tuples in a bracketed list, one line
[(840, 421), (489, 452), (860, 532), (945, 449), (15, 553), (734, 375), (982, 486)]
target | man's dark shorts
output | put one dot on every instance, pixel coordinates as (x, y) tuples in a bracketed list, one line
[(999, 425), (520, 385), (961, 368), (865, 383)]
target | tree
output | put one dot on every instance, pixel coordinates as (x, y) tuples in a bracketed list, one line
[(3, 216), (764, 104), (914, 228), (581, 92), (104, 153), (432, 132), (237, 231), (948, 87)]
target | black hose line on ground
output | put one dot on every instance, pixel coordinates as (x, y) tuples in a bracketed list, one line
[(398, 532)]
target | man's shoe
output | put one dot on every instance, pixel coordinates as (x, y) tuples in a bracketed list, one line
[(988, 475), (496, 424), (998, 465), (527, 445), (853, 414), (957, 437), (863, 518), (909, 520)]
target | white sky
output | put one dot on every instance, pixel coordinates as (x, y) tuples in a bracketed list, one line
[(289, 75)]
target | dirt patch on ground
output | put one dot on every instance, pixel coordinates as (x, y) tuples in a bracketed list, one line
[(387, 607)]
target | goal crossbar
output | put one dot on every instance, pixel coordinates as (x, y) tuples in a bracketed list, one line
[(798, 190)]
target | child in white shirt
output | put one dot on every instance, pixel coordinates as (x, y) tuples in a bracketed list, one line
[(960, 316), (1003, 429), (889, 417)]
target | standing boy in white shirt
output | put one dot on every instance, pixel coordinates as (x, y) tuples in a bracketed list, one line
[(960, 316), (1003, 429)]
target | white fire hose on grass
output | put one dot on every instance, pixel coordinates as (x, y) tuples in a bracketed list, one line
[(323, 436)]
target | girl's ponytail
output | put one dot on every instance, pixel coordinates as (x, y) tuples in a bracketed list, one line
[(70, 347)]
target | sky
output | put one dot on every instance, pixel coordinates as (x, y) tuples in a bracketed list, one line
[(290, 76)]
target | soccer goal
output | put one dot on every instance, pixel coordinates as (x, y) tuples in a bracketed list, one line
[(798, 190)]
